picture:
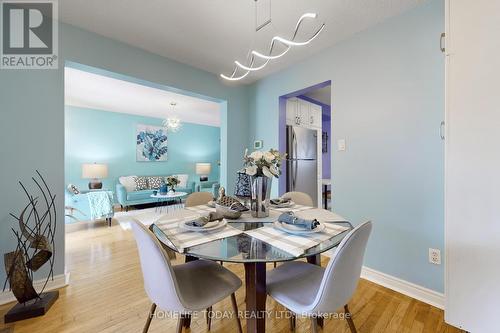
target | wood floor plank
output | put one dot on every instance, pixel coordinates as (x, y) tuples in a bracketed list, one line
[(106, 295)]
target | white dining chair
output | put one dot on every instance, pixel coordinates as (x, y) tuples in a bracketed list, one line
[(313, 291), (198, 198), (184, 288), (300, 198)]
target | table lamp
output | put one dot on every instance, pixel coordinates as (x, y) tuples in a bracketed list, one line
[(203, 169), (94, 172)]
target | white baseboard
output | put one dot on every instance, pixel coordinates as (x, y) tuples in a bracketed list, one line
[(404, 287), (59, 281)]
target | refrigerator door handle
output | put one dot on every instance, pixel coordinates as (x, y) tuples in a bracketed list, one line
[(289, 174), (294, 142), (294, 180)]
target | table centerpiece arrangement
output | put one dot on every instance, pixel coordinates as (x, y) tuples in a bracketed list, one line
[(262, 167)]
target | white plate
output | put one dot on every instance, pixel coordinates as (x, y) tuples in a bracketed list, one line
[(211, 204), (210, 226), (292, 229), (283, 205)]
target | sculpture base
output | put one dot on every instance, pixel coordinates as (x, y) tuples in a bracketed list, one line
[(33, 308)]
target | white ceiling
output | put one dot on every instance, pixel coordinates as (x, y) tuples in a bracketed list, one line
[(322, 95), (88, 90), (211, 34)]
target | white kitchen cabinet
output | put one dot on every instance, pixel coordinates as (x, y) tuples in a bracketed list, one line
[(314, 119), (291, 111), (472, 164), (303, 113)]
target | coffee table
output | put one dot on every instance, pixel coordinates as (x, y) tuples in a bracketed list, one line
[(167, 197)]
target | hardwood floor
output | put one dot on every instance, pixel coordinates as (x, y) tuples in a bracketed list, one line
[(106, 295)]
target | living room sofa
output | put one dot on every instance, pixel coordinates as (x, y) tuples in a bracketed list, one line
[(127, 195), (209, 186)]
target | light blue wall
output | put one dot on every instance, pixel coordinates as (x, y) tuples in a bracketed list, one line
[(32, 118), (109, 137), (387, 102)]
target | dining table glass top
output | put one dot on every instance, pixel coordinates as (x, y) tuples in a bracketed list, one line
[(243, 248)]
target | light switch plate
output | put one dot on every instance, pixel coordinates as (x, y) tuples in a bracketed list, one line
[(341, 144)]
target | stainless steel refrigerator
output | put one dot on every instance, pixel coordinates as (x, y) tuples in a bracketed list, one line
[(302, 161)]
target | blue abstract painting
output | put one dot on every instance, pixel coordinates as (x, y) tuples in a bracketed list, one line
[(151, 143)]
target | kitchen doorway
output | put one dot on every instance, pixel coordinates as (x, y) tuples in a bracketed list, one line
[(305, 135)]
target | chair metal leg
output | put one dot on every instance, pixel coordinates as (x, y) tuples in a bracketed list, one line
[(292, 322), (150, 317), (348, 317), (209, 317), (235, 309), (186, 320), (180, 324), (314, 325)]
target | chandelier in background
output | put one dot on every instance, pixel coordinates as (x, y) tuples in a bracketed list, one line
[(240, 70), (172, 123)]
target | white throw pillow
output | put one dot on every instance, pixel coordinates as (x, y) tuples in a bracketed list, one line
[(128, 182), (183, 179)]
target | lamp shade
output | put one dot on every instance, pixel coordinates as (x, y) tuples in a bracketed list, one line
[(94, 171), (203, 168)]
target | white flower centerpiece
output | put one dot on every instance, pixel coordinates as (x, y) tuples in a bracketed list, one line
[(262, 167), (172, 182)]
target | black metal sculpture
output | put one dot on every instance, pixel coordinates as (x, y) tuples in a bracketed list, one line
[(35, 247)]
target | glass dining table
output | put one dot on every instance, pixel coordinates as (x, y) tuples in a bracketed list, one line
[(254, 254)]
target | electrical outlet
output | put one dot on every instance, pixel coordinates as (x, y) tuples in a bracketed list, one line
[(435, 256)]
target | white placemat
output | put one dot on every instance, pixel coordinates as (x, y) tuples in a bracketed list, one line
[(201, 209), (295, 244), (183, 239), (320, 214), (295, 208)]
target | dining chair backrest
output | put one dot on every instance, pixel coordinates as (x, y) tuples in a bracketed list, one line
[(300, 198), (198, 198), (343, 271), (159, 278)]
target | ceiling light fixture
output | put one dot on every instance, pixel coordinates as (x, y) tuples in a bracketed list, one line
[(288, 43), (172, 123)]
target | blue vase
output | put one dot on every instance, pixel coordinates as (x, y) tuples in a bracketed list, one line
[(163, 189)]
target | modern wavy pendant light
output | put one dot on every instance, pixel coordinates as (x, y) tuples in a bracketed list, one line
[(240, 71)]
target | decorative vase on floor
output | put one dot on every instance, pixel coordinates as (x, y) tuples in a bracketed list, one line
[(261, 192)]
